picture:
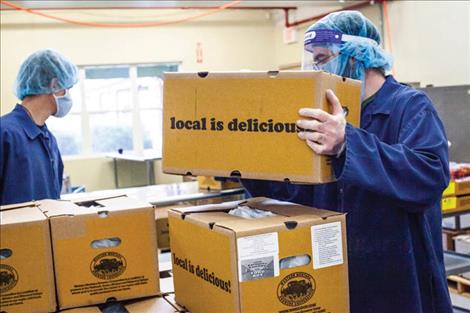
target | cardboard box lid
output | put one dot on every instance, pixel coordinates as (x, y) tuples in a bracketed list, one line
[(52, 208), (17, 205), (215, 216), (161, 212), (22, 215)]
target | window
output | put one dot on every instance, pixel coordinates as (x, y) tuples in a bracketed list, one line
[(115, 107)]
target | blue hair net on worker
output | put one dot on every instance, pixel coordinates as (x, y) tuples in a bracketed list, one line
[(346, 35), (44, 72)]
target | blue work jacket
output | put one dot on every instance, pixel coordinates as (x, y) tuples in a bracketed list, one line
[(390, 182), (31, 167)]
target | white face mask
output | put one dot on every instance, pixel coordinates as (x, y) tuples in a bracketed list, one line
[(63, 103)]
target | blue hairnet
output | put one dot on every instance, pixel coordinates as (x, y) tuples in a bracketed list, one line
[(368, 56), (39, 69)]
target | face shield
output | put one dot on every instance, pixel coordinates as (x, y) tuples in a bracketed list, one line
[(323, 50)]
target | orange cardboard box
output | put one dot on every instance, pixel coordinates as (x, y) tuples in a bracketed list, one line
[(225, 263), (455, 204), (243, 123), (26, 271), (161, 221), (89, 271), (457, 187)]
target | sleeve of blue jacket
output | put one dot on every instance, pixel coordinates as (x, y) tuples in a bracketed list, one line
[(413, 170)]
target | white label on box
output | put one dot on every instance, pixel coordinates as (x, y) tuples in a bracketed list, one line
[(327, 245), (258, 256)]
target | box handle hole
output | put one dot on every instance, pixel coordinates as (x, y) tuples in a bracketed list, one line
[(236, 174), (273, 74), (290, 224), (202, 74), (5, 253), (294, 261), (103, 214), (105, 243)]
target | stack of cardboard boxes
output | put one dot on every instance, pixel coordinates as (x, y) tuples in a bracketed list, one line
[(244, 125), (60, 254), (456, 229)]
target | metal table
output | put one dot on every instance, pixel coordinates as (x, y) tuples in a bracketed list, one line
[(147, 158), (456, 263), (165, 194)]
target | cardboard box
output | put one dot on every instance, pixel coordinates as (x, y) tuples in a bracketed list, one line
[(233, 263), (243, 124), (26, 274), (161, 220), (457, 188), (448, 236), (163, 232), (87, 274), (155, 304), (455, 204), (451, 222), (462, 244), (210, 183)]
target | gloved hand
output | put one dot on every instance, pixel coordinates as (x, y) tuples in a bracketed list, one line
[(325, 133)]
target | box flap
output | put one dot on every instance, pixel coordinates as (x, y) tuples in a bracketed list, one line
[(17, 205), (215, 215), (161, 212), (22, 215), (99, 196), (61, 207), (207, 208), (53, 208), (287, 208)]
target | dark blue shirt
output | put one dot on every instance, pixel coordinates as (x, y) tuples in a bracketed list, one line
[(390, 182), (31, 167)]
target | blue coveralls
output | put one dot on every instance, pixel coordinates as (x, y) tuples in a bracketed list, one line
[(31, 167), (390, 182)]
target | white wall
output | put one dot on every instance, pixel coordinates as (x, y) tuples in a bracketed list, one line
[(230, 40), (431, 41)]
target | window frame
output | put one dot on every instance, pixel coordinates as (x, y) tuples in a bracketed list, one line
[(86, 145)]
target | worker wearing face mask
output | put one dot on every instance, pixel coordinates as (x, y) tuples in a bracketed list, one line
[(31, 166), (390, 173)]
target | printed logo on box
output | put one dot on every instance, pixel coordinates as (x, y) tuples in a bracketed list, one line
[(296, 289), (108, 265), (8, 278)]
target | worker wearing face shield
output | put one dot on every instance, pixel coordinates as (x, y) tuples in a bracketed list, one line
[(31, 166), (390, 172)]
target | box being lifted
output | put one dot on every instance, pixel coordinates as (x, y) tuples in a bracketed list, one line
[(243, 124), (295, 261), (103, 250), (26, 273)]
